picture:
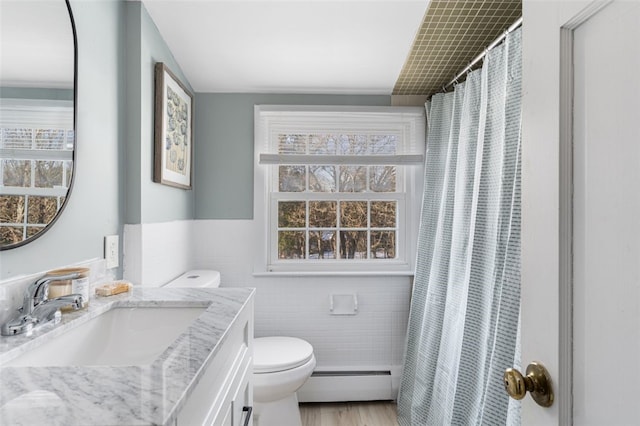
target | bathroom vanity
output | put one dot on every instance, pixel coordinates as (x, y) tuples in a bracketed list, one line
[(154, 356)]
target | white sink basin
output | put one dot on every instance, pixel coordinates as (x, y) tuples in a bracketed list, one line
[(120, 336)]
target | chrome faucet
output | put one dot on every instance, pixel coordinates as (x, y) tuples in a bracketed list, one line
[(38, 309)]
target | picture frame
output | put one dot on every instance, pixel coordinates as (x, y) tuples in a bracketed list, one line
[(173, 130)]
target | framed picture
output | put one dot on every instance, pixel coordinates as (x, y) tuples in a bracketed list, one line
[(173, 153)]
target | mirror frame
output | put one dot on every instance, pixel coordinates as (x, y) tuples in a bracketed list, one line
[(75, 139)]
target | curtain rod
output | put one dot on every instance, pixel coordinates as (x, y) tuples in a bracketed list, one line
[(478, 58)]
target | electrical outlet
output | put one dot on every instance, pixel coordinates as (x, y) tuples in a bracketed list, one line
[(111, 251)]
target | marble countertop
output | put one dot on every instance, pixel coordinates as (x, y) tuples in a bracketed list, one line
[(118, 395)]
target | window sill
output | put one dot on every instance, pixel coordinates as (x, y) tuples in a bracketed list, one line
[(334, 274)]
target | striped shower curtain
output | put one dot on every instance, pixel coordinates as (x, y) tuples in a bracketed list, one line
[(464, 320)]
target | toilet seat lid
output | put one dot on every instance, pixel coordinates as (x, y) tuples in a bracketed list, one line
[(197, 278), (272, 354)]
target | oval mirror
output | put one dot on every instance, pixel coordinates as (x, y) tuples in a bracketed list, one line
[(38, 67)]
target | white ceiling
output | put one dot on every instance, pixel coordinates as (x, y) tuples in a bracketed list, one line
[(295, 46)]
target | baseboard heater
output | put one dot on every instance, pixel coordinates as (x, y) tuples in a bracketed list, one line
[(331, 386)]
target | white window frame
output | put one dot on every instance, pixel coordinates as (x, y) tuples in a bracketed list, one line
[(407, 122)]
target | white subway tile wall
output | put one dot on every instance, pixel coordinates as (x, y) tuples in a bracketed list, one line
[(299, 306), (155, 253)]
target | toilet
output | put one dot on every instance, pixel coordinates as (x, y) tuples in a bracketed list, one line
[(281, 365)]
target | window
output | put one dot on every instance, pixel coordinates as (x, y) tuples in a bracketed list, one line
[(336, 187), (36, 147)]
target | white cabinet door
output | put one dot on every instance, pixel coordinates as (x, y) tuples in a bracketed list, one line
[(226, 419), (242, 402)]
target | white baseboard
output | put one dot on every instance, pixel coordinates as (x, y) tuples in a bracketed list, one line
[(327, 386)]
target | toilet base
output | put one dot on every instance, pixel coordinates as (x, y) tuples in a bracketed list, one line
[(284, 411)]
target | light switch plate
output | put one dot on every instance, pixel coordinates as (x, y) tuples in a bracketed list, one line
[(111, 251)]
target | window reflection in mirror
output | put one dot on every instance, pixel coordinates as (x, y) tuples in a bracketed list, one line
[(37, 84)]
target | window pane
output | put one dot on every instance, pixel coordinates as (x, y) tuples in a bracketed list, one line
[(50, 139), (353, 178), (383, 244), (323, 144), (16, 173), (48, 174), (33, 230), (70, 139), (352, 144), (10, 235), (12, 209), (322, 178), (322, 245), (17, 138), (322, 214), (68, 171), (41, 209), (383, 144), (383, 214), (292, 178), (353, 214), (353, 244), (382, 178), (292, 144), (291, 214), (291, 245)]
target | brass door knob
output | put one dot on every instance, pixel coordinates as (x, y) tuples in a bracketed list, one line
[(537, 382)]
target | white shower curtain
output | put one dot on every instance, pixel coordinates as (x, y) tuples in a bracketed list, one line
[(464, 320)]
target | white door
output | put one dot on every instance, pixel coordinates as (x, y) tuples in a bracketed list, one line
[(581, 260)]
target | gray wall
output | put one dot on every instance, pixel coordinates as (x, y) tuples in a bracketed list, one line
[(146, 201), (93, 208), (224, 147)]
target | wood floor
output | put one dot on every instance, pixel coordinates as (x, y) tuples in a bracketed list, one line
[(382, 413)]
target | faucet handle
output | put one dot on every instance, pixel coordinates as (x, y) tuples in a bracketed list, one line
[(38, 292), (41, 292)]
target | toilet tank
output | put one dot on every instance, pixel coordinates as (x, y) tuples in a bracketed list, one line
[(197, 278)]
